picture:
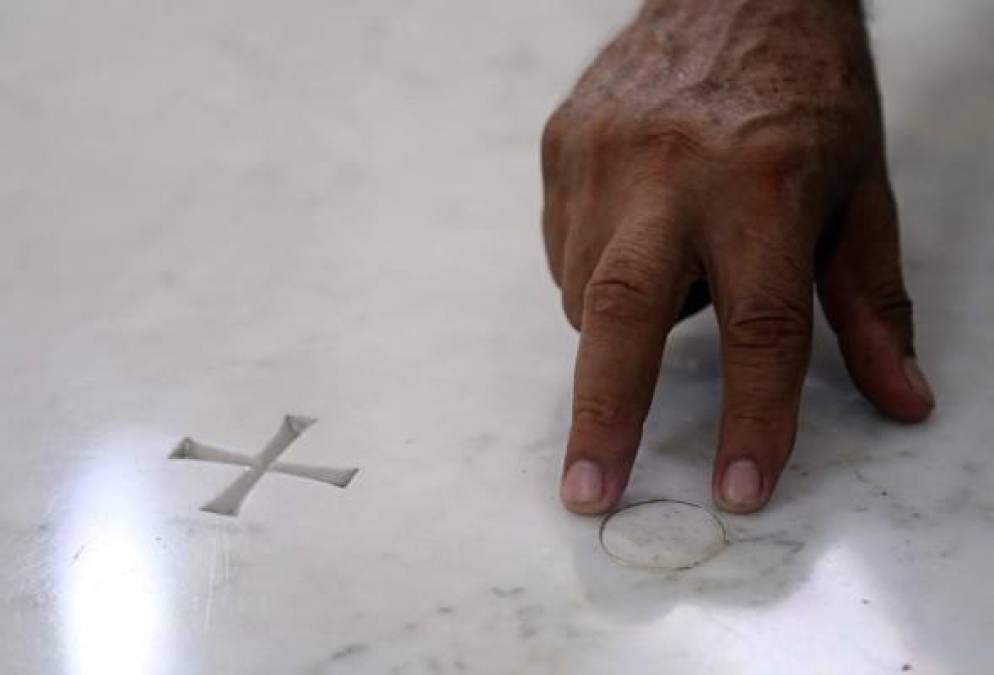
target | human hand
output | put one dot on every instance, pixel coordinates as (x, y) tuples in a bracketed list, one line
[(728, 152)]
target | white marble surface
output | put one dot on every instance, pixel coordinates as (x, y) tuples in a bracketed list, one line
[(216, 213)]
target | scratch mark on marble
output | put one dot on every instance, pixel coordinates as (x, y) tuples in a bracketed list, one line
[(226, 549), (211, 577), (78, 553)]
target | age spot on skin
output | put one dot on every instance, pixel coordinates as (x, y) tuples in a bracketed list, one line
[(662, 534)]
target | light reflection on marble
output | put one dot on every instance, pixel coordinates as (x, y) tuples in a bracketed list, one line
[(212, 214), (112, 589)]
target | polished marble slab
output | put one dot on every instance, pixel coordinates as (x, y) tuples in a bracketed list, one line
[(213, 214)]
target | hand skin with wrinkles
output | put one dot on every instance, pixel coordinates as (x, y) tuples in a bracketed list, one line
[(727, 152)]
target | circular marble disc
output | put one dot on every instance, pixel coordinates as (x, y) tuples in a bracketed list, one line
[(662, 534)]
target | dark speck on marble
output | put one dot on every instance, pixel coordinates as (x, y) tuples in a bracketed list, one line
[(349, 650)]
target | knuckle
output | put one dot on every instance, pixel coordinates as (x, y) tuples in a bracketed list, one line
[(890, 302), (623, 287), (629, 281), (779, 158), (620, 298), (600, 136), (552, 142), (896, 309), (768, 333), (672, 142), (554, 131), (616, 128), (591, 413), (746, 414), (766, 407)]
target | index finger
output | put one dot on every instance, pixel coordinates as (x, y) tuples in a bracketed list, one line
[(630, 303)]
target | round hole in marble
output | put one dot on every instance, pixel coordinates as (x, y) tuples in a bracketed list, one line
[(662, 534)]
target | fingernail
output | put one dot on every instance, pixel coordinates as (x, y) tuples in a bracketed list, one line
[(917, 381), (584, 483), (741, 483)]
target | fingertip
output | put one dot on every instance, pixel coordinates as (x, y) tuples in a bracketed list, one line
[(739, 487), (588, 489), (583, 484), (894, 383), (918, 384), (899, 402)]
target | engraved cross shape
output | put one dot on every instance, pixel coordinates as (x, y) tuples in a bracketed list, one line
[(231, 498)]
